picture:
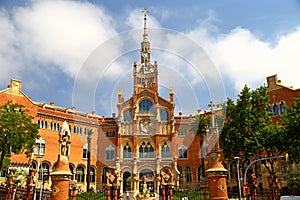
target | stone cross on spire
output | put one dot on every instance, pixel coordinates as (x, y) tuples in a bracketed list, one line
[(212, 105), (145, 24)]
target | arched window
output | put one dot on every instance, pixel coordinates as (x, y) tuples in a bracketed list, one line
[(71, 167), (182, 152), (282, 107), (200, 173), (127, 151), (275, 109), (180, 175), (188, 174), (44, 172), (146, 150), (110, 153), (164, 115), (127, 114), (165, 150), (80, 174), (145, 106), (104, 171), (92, 175)]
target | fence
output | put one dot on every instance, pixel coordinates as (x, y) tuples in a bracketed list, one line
[(91, 196), (20, 194), (189, 194)]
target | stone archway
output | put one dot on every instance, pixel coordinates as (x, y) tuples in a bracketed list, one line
[(127, 181), (146, 184)]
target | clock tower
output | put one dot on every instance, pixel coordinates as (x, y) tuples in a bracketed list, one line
[(145, 73)]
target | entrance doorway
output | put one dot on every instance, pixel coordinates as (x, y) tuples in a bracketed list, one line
[(146, 177), (127, 181)]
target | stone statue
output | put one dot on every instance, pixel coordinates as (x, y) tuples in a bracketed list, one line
[(65, 139)]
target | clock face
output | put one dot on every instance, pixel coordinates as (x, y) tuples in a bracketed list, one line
[(145, 54)]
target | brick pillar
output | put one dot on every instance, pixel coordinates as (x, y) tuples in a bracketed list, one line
[(204, 193), (216, 175), (30, 184), (10, 191), (163, 192), (170, 192), (108, 194), (61, 179)]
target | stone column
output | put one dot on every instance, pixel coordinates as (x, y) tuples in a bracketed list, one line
[(61, 176), (216, 175), (60, 179)]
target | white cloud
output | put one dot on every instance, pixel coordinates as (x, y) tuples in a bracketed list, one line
[(59, 33), (244, 58)]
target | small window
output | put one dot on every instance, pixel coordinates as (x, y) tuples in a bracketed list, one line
[(110, 153), (182, 152), (40, 146), (165, 150), (180, 174), (275, 109), (85, 153), (44, 172), (127, 151), (110, 133), (200, 174), (188, 174), (181, 132), (80, 174), (282, 107), (104, 171), (92, 175)]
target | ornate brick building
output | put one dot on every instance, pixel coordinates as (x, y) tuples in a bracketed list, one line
[(144, 138)]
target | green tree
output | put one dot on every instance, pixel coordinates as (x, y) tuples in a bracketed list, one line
[(248, 130), (291, 130), (17, 131)]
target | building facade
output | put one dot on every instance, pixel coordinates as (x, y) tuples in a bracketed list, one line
[(144, 137)]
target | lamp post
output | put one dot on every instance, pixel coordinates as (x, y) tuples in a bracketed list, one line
[(88, 178), (39, 153), (237, 160)]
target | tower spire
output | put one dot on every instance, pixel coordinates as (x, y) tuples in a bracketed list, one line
[(145, 45), (145, 36)]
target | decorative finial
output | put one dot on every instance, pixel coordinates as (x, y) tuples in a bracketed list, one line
[(145, 20), (212, 105), (145, 16)]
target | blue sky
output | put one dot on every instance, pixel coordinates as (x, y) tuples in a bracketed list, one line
[(58, 48)]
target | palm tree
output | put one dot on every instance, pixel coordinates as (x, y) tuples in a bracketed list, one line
[(200, 127)]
